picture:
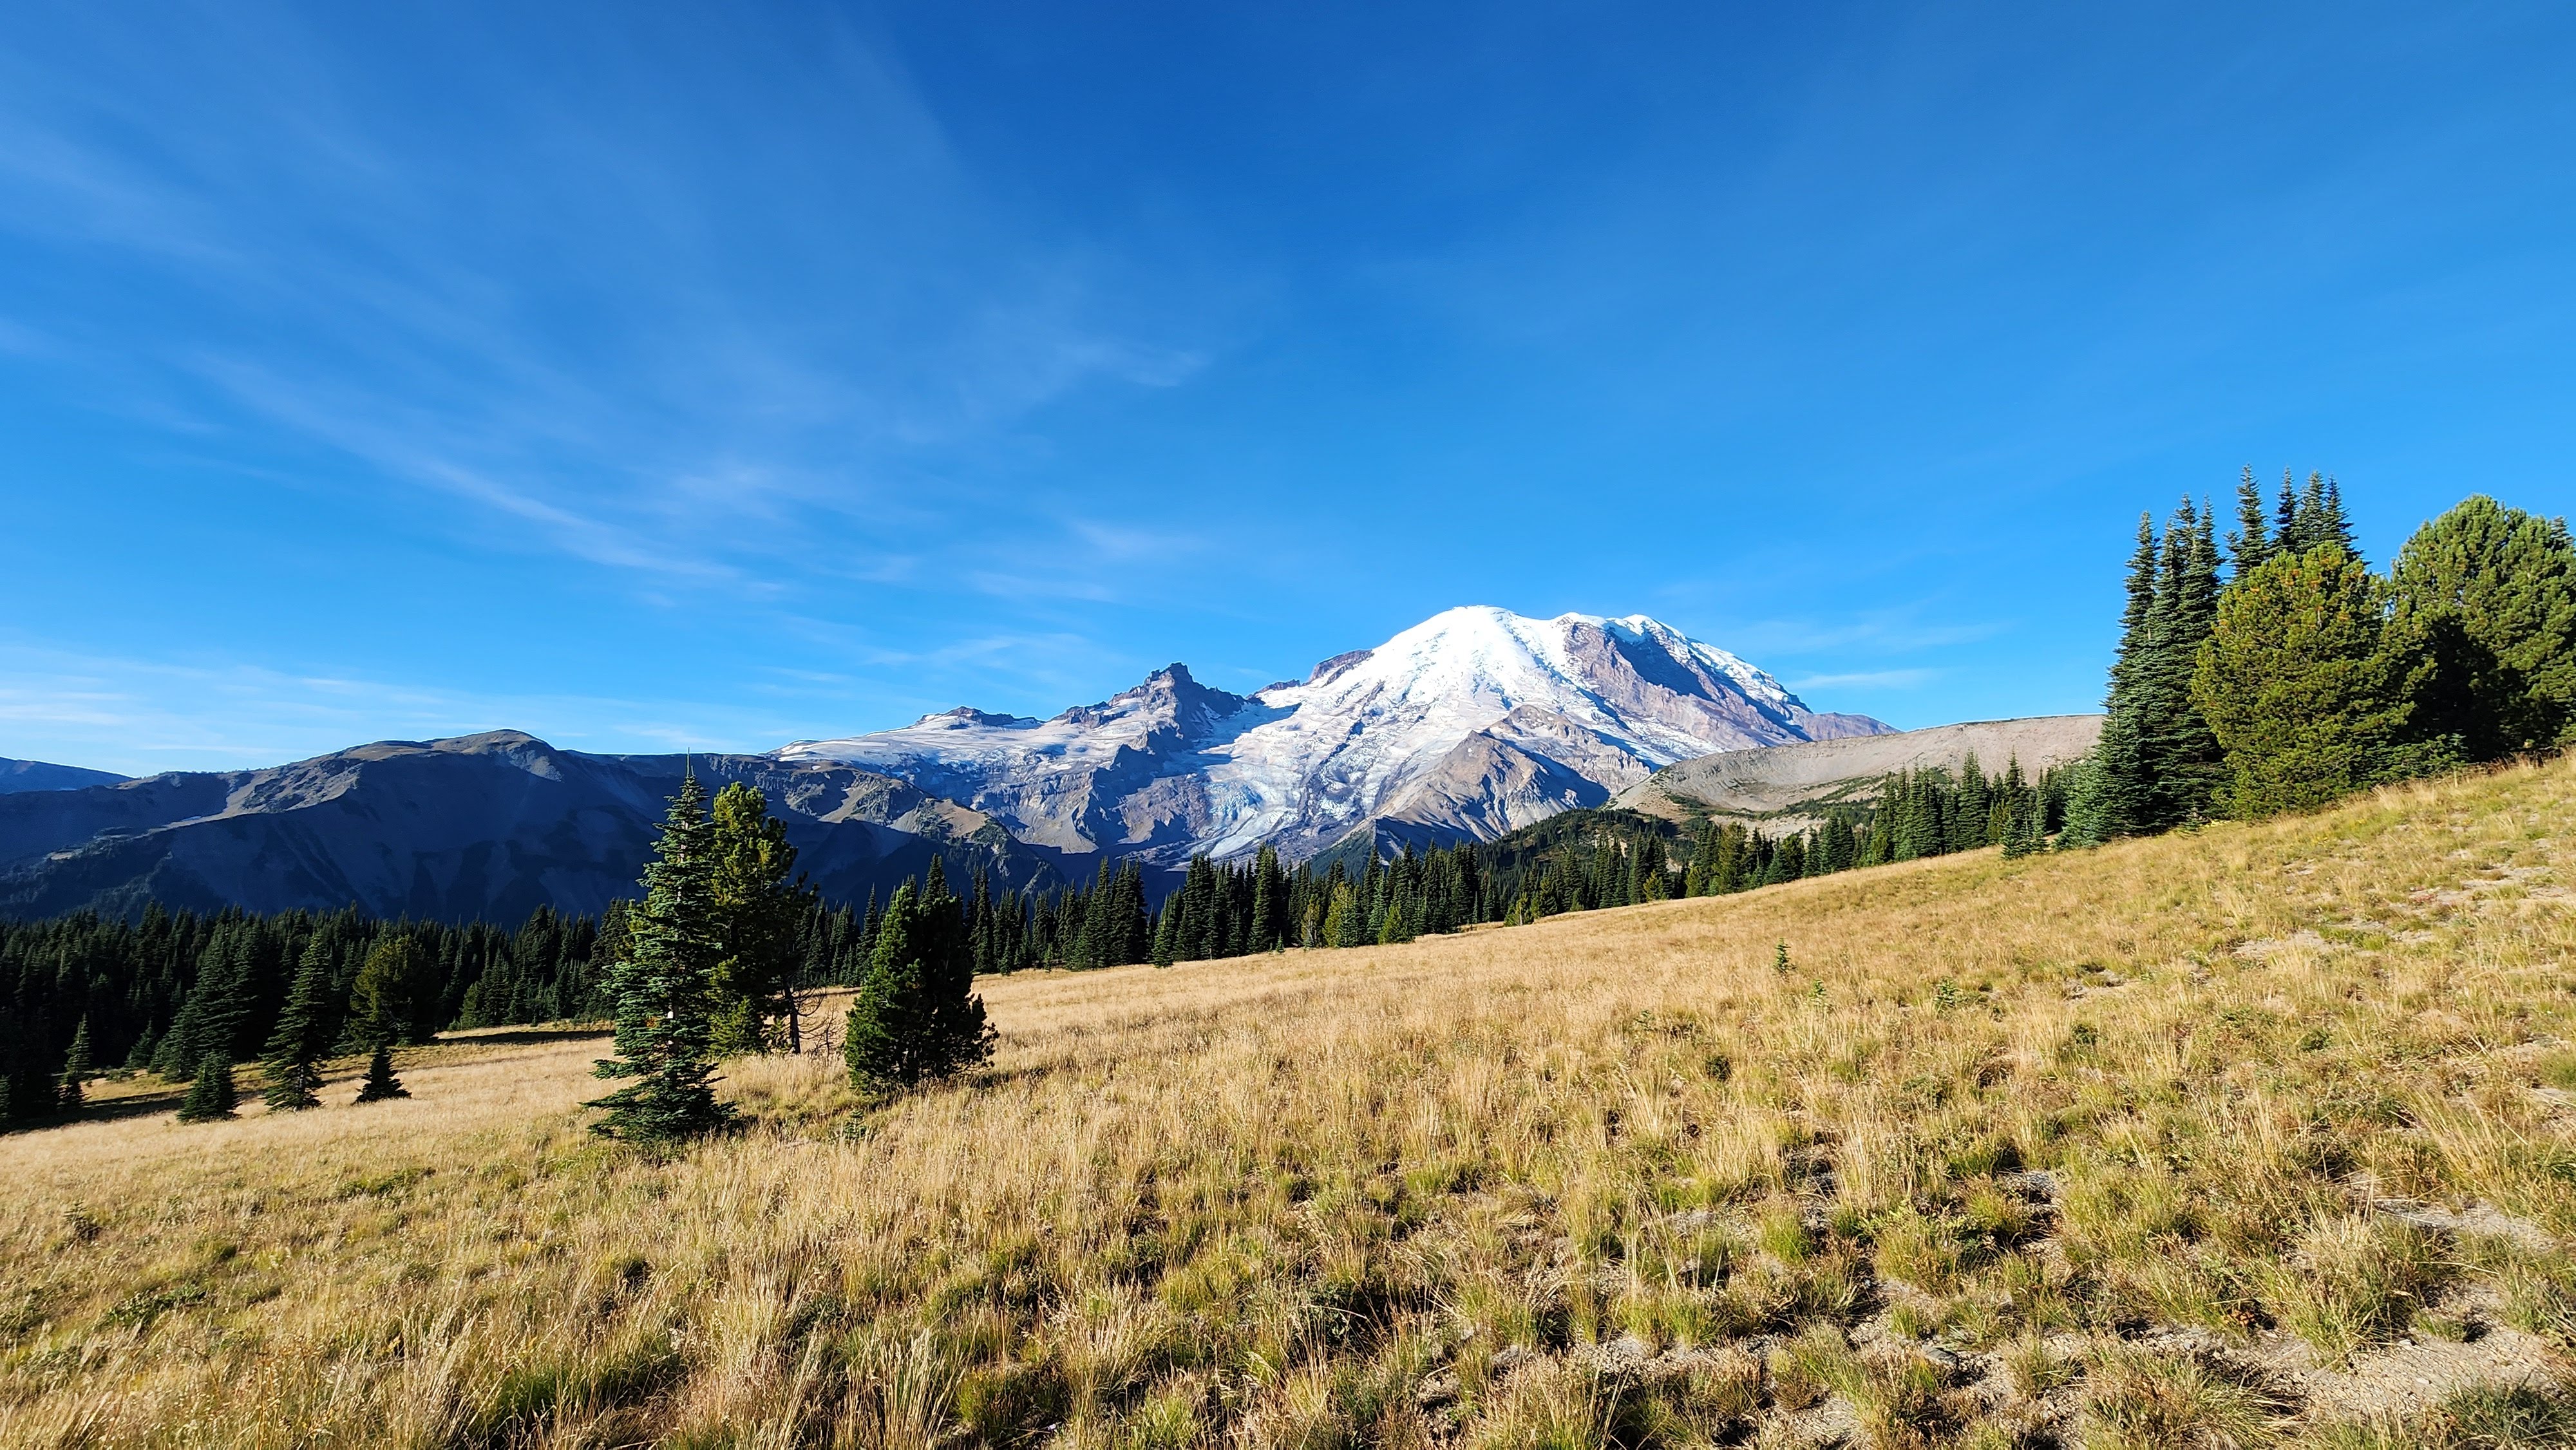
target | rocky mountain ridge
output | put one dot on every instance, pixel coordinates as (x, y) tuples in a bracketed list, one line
[(1466, 726), (481, 827)]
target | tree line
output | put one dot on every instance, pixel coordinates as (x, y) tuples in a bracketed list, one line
[(169, 993), (189, 996), (2283, 673)]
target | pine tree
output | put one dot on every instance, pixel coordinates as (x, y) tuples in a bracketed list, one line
[(2330, 526), (76, 1069), (381, 1082), (394, 998), (302, 1035), (2289, 529), (211, 1097), (759, 903), (665, 989), (2121, 783), (2491, 591), (2250, 543), (2158, 765), (2300, 683), (916, 1017)]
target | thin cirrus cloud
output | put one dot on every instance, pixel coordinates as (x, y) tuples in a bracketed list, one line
[(156, 715), (589, 358), (1867, 680)]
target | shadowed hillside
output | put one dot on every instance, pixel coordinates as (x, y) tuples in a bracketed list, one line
[(477, 828)]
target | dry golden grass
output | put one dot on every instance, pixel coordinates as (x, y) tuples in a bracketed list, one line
[(1608, 1178)]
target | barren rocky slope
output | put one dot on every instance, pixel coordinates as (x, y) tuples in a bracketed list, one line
[(1792, 784)]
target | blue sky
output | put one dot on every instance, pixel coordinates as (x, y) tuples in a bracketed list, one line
[(649, 375)]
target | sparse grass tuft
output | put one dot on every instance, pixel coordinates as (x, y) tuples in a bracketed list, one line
[(2143, 1399)]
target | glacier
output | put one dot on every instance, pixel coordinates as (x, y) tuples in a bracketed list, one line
[(1470, 724)]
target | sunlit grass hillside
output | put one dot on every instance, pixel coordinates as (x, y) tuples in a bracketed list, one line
[(2250, 1135)]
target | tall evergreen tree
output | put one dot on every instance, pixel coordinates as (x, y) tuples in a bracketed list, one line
[(2492, 592), (2290, 527), (759, 906), (2176, 753), (916, 1017), (2250, 543), (2121, 786), (2300, 683), (395, 996), (665, 989), (211, 1096), (302, 1035), (2330, 526), (76, 1070)]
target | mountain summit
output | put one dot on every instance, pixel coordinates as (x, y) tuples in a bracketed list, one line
[(1470, 724)]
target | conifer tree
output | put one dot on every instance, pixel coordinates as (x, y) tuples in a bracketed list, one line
[(665, 989), (381, 1083), (211, 1097), (76, 1070), (2289, 527), (2300, 683), (759, 903), (2250, 542), (302, 1035), (2330, 525), (1345, 916), (217, 1006), (916, 1017), (2121, 784), (394, 998), (2492, 593)]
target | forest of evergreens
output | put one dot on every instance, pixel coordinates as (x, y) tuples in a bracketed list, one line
[(169, 991), (2285, 674), (2279, 674)]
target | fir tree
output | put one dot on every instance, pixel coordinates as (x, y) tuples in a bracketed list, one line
[(2289, 524), (2330, 526), (211, 1097), (665, 989), (302, 1036), (2250, 543), (381, 1082), (1345, 916), (759, 904), (916, 1017), (394, 998), (2157, 765), (76, 1069), (2121, 785)]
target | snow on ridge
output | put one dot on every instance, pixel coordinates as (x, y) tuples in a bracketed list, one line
[(1170, 767)]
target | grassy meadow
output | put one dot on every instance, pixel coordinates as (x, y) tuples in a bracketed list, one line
[(2263, 1134)]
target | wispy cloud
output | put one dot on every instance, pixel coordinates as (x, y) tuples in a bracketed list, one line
[(141, 716), (1867, 680), (569, 343)]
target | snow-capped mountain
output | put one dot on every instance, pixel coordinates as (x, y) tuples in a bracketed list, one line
[(1470, 724)]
